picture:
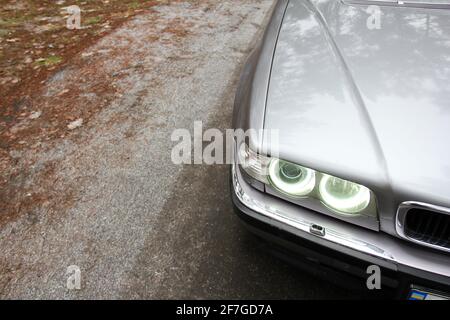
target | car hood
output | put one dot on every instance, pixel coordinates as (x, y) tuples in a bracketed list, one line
[(367, 104)]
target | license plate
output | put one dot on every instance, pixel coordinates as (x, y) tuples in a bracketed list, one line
[(427, 294)]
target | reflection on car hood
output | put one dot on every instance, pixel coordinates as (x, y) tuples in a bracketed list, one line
[(372, 105), (433, 4)]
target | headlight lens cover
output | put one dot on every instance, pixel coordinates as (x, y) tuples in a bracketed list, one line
[(298, 182), (254, 164), (290, 178), (343, 196)]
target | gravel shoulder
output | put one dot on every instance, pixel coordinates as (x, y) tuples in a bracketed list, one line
[(106, 196)]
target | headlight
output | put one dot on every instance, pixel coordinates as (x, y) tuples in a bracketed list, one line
[(335, 195), (343, 196), (290, 178)]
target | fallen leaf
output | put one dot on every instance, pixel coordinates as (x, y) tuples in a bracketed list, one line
[(75, 124), (63, 92), (35, 115)]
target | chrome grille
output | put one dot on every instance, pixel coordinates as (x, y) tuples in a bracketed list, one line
[(429, 227), (425, 224)]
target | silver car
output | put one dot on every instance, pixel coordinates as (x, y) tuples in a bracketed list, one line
[(358, 93)]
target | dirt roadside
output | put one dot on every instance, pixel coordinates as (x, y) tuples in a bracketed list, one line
[(51, 100), (105, 195)]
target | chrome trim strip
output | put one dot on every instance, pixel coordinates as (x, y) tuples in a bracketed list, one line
[(306, 226), (402, 212)]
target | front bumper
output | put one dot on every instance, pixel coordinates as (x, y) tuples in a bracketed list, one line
[(286, 224)]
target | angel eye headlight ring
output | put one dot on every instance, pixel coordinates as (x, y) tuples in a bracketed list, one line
[(291, 179), (344, 196)]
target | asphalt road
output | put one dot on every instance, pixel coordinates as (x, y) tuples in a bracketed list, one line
[(137, 225)]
